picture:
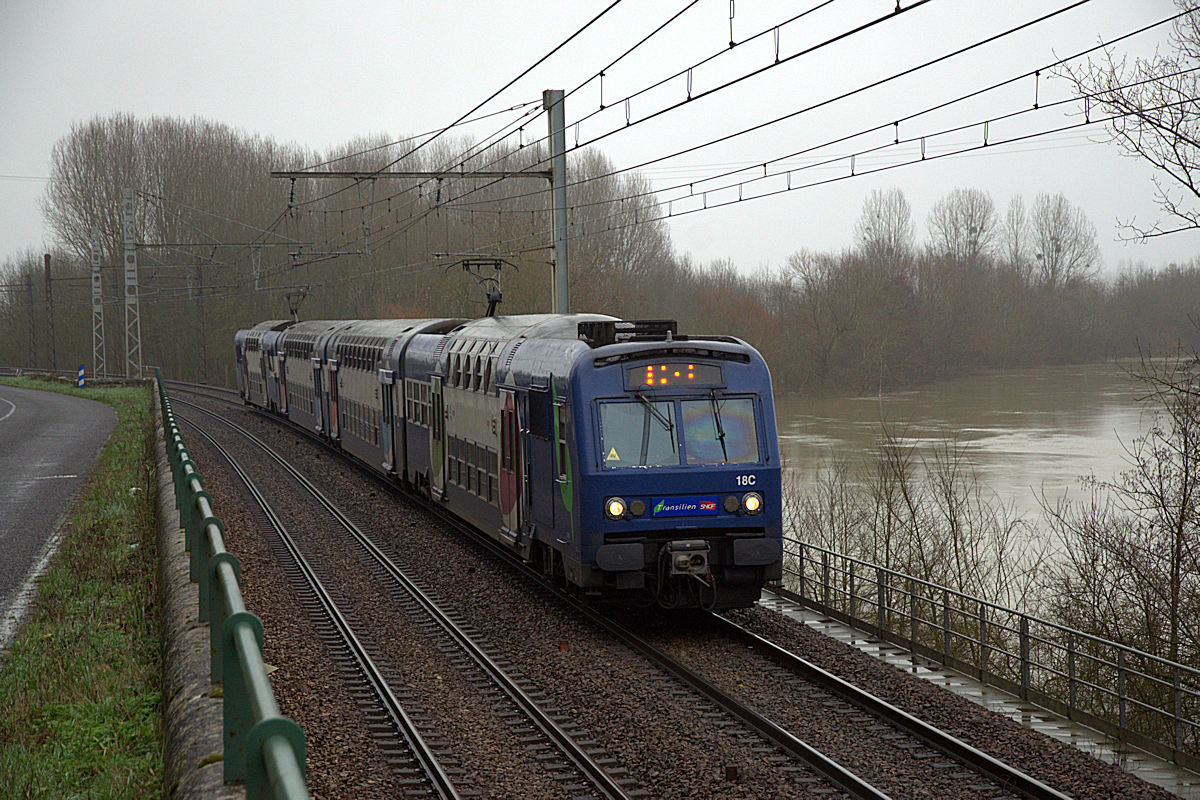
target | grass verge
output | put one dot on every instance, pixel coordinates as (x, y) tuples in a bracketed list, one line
[(79, 688)]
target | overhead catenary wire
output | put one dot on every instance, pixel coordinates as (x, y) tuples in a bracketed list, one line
[(838, 37), (518, 125), (812, 107), (496, 93), (445, 204), (873, 85)]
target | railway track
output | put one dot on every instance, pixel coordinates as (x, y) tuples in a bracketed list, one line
[(969, 766), (578, 770)]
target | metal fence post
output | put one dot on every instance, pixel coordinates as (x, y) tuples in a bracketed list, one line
[(270, 732), (825, 578), (801, 570), (238, 713), (983, 647), (1071, 675), (1178, 682), (217, 611), (852, 597), (881, 600), (912, 612), (1121, 691), (946, 623), (1024, 657), (200, 556)]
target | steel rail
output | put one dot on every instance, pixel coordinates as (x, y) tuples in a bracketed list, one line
[(996, 770), (439, 781), (1006, 775), (582, 761), (828, 768)]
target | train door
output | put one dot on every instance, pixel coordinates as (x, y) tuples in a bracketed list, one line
[(387, 379), (510, 464), (539, 456), (265, 375), (437, 439), (318, 398), (243, 376), (283, 383), (335, 429)]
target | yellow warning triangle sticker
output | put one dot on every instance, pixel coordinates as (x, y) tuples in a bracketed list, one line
[(612, 455)]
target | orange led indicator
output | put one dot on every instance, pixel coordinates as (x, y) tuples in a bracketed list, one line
[(690, 376), (663, 381), (691, 366), (676, 374)]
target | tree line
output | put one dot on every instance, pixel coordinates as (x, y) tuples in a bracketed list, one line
[(221, 243)]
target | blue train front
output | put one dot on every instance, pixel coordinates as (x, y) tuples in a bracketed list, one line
[(678, 492), (625, 460)]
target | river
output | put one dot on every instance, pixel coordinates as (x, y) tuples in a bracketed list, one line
[(1026, 431)]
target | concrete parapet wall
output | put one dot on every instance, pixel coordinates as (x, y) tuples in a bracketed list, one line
[(192, 721)]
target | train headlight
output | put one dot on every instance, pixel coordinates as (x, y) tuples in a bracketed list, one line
[(614, 508), (752, 502)]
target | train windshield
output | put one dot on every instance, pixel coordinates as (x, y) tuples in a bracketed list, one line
[(638, 434), (646, 433), (719, 431)]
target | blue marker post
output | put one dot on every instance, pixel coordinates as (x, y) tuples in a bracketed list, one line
[(79, 382)]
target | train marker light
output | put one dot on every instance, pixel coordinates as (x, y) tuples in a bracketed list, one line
[(731, 504)]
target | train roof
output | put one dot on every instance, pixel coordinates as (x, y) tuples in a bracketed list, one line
[(393, 328), (529, 326), (272, 325)]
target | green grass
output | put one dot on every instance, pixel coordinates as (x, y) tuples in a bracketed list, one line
[(79, 689)]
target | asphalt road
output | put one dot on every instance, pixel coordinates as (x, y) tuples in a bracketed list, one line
[(48, 445)]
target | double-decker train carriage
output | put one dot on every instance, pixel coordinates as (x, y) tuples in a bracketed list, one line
[(631, 462)]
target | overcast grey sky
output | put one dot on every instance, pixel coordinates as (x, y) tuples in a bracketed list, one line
[(318, 74)]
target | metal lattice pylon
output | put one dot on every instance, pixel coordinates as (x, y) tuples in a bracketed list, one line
[(99, 367), (133, 311)]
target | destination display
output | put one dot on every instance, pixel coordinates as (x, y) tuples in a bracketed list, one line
[(673, 373)]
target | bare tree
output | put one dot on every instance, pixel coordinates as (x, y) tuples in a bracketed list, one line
[(885, 232), (962, 225), (1014, 237), (1064, 242), (1132, 568), (1156, 103)]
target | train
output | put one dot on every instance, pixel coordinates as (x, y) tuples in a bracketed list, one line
[(626, 461)]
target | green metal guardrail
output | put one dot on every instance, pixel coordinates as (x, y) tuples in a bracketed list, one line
[(262, 748)]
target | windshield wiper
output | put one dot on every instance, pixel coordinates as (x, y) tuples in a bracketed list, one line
[(662, 418), (716, 408)]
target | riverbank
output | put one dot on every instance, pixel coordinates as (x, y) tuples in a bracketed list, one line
[(79, 686)]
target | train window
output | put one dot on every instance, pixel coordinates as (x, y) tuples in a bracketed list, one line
[(563, 455), (719, 431), (638, 434), (540, 421), (481, 473), (505, 444)]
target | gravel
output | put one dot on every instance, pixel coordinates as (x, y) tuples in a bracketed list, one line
[(671, 742)]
